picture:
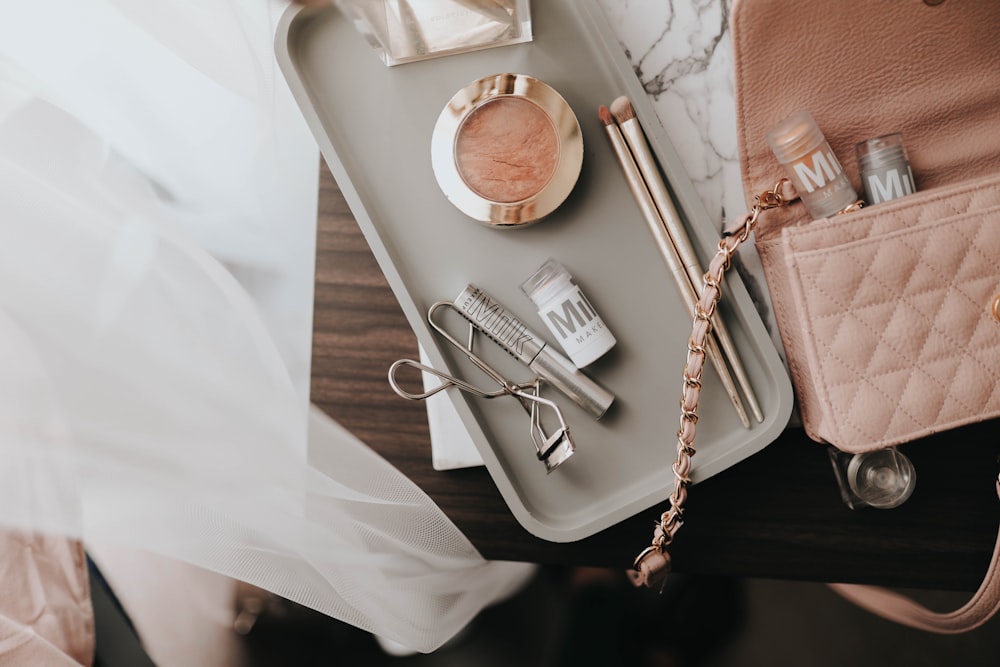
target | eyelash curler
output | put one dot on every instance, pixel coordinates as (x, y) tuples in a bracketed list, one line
[(551, 448)]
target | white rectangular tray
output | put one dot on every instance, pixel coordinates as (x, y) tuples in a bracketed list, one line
[(374, 123)]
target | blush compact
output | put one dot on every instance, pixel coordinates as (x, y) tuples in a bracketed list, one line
[(507, 150)]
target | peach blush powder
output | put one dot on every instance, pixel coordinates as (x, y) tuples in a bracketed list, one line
[(507, 149)]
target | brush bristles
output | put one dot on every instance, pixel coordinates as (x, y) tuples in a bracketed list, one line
[(622, 109), (605, 115)]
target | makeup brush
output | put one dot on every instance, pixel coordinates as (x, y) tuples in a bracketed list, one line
[(649, 212), (624, 114)]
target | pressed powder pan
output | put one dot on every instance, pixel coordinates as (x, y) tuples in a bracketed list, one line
[(507, 150)]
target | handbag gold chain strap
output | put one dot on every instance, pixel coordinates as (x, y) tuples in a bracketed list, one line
[(653, 564)]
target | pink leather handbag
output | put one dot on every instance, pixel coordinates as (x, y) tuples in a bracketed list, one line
[(889, 315)]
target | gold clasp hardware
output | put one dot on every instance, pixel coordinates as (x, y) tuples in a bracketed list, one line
[(996, 308), (766, 200), (771, 198), (652, 549)]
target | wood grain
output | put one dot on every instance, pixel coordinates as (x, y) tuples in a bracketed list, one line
[(778, 514)]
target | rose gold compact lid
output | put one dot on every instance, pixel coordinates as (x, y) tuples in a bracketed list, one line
[(507, 150)]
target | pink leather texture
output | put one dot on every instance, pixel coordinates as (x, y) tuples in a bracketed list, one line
[(46, 617), (864, 69), (883, 312)]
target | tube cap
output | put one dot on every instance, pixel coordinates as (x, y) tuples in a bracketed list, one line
[(794, 137)]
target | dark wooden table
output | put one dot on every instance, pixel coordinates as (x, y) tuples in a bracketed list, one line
[(778, 514)]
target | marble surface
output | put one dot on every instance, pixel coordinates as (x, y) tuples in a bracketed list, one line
[(682, 54)]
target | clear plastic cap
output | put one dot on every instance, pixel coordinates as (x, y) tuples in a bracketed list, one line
[(794, 137), (545, 283)]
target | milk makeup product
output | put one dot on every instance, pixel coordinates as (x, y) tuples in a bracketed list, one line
[(812, 167)]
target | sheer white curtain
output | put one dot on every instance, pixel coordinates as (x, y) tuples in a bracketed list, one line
[(157, 212)]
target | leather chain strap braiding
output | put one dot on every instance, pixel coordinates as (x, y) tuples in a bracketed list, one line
[(653, 564)]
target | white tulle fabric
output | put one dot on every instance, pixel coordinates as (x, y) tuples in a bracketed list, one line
[(153, 361)]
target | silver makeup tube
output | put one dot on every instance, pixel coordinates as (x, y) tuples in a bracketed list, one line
[(499, 324)]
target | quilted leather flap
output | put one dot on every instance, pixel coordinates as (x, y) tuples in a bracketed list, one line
[(897, 318), (865, 69)]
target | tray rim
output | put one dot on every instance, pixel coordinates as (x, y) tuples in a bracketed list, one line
[(687, 198)]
